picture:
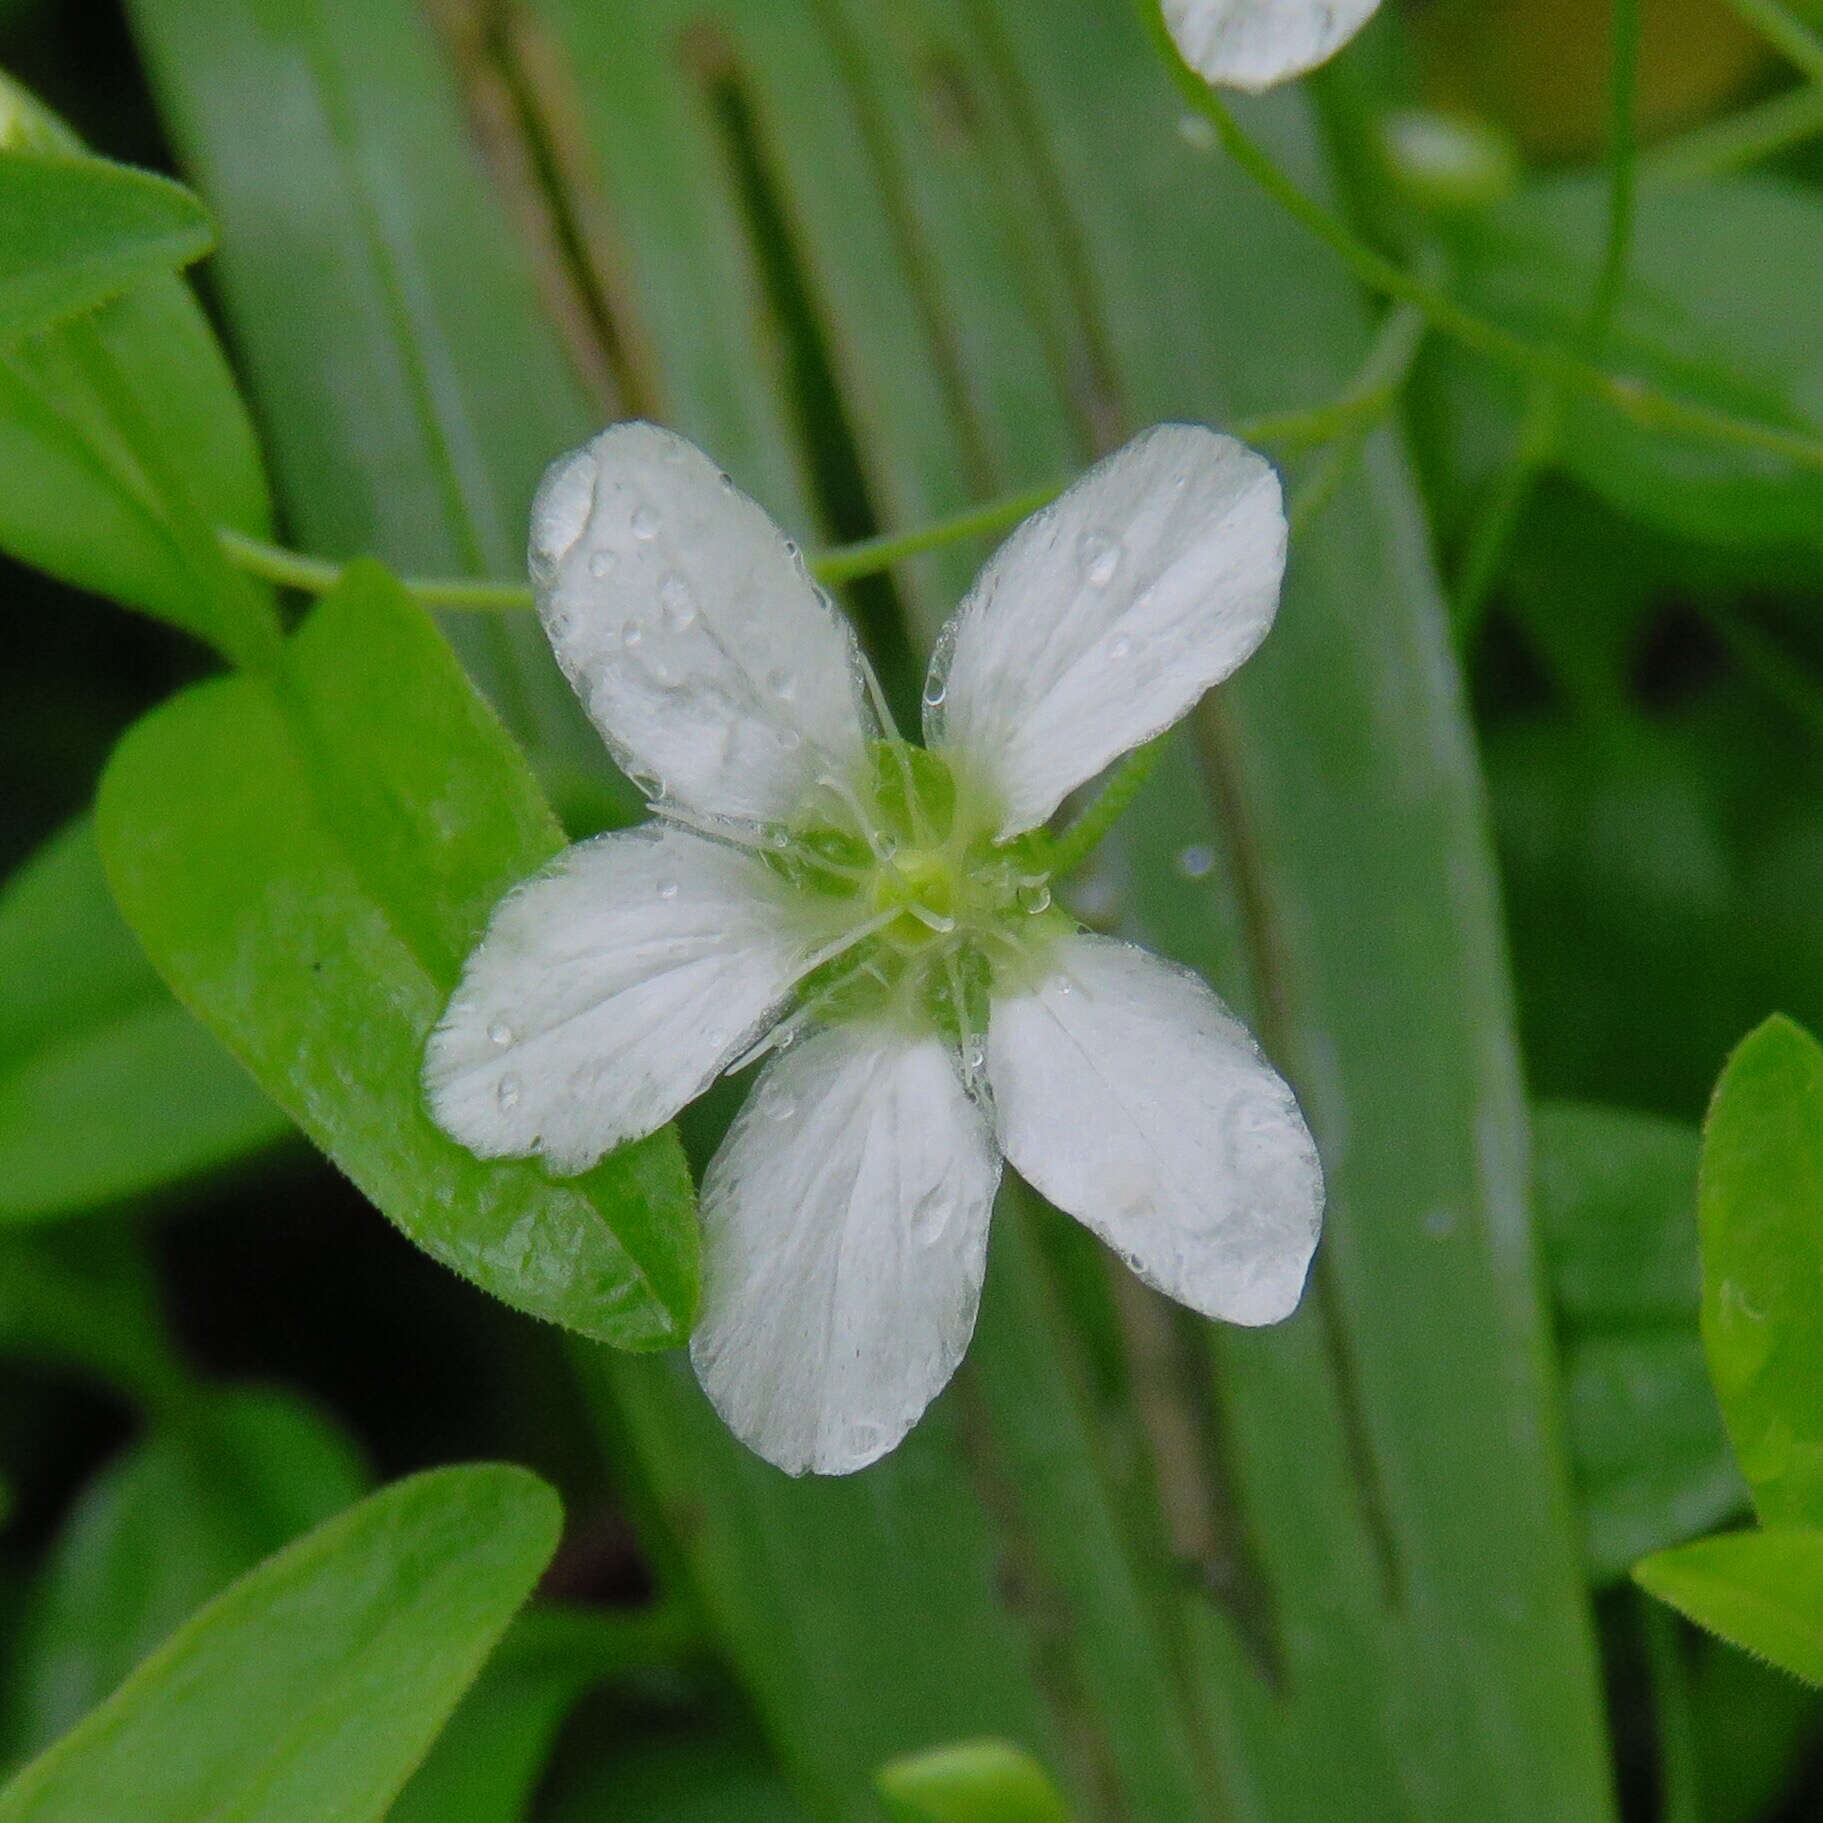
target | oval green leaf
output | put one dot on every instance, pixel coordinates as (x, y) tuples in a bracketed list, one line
[(1761, 1210), (1761, 1591), (75, 231), (313, 1686), (971, 1782), (308, 871)]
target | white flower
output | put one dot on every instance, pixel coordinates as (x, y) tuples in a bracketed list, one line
[(881, 912), (1253, 44)]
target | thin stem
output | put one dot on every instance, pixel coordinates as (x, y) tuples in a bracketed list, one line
[(317, 576), (1680, 1789), (870, 555), (1498, 515), (1786, 33), (1080, 840), (1738, 140), (1623, 166), (1631, 398)]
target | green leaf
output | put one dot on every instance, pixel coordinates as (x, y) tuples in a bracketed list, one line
[(309, 875), (108, 1088), (1721, 306), (1762, 1230), (233, 1476), (312, 1686), (1761, 1591), (85, 1298), (971, 1782), (77, 497), (677, 1774), (1616, 1199), (487, 1764), (79, 230)]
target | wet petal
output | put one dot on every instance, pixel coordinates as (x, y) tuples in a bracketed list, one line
[(844, 1234), (716, 670), (1131, 1097), (1252, 44), (608, 991), (1104, 617)]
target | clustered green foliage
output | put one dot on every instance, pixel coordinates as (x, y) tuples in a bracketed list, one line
[(1549, 669)]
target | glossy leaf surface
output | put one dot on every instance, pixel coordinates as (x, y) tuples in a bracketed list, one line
[(308, 869), (1761, 1591)]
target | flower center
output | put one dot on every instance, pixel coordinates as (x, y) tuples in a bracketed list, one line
[(941, 910)]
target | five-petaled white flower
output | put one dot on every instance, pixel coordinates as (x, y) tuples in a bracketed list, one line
[(877, 915), (1254, 44)]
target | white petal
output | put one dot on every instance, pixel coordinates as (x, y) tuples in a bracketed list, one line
[(608, 991), (1132, 1098), (1104, 617), (718, 673), (1252, 44), (844, 1234)]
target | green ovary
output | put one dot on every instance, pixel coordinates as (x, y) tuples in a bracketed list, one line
[(947, 911)]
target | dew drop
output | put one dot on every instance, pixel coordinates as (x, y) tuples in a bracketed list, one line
[(557, 625), (727, 481), (1035, 897), (677, 603), (644, 523), (1064, 985), (783, 684), (1119, 646), (789, 740), (791, 549), (1197, 862), (1100, 558), (500, 1033), (885, 844), (1196, 132), (600, 563), (632, 635), (782, 1108), (974, 1056), (779, 839), (934, 693), (507, 1094), (667, 889), (929, 1220)]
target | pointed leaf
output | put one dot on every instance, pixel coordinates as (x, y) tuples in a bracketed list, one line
[(971, 1782), (309, 874), (311, 1688), (1761, 1591), (74, 231)]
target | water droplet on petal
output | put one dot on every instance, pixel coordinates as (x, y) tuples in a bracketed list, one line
[(1197, 862), (667, 889), (1100, 558), (790, 740), (783, 684), (1064, 985), (507, 1094), (934, 693), (677, 603), (779, 839), (727, 481), (973, 1056), (500, 1033), (791, 548), (644, 523), (600, 562), (1035, 897), (1119, 646), (929, 1220), (782, 1108), (632, 634)]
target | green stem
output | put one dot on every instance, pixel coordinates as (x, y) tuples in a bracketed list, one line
[(1623, 166), (1631, 398), (1497, 517), (1740, 139), (1786, 33), (1068, 851), (1680, 1790), (869, 555), (317, 576)]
